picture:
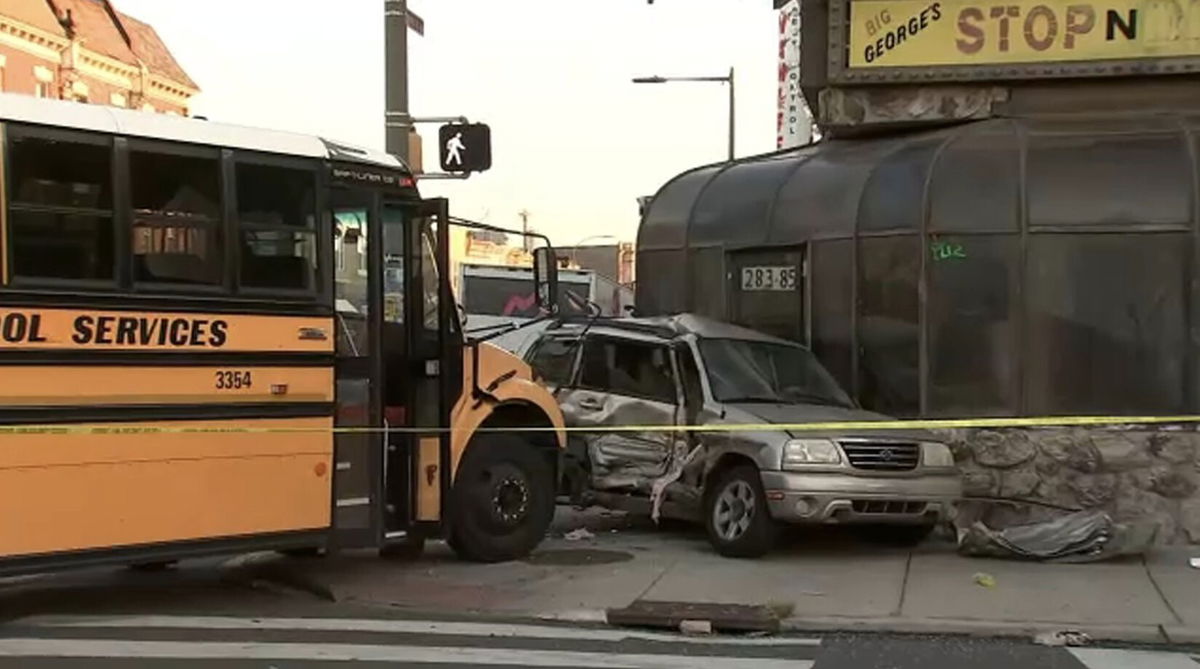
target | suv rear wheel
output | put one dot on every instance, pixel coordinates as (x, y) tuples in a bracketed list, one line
[(736, 515)]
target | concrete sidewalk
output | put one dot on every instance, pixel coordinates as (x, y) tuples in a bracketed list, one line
[(820, 580)]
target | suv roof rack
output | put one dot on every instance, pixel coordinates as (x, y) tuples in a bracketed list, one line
[(661, 329)]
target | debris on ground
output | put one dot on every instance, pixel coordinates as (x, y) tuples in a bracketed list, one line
[(781, 609), (985, 579), (695, 627), (1063, 638), (1082, 536), (1195, 562), (581, 534)]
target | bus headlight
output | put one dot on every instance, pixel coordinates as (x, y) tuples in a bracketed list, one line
[(936, 455), (799, 453)]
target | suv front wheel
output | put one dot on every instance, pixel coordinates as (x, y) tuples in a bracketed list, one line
[(736, 515)]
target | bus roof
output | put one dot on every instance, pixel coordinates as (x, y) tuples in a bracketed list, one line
[(113, 120)]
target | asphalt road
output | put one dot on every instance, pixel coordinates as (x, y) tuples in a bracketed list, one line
[(207, 642)]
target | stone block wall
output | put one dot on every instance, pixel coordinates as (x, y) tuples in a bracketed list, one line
[(1142, 472)]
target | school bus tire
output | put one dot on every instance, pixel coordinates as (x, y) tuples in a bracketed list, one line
[(503, 499)]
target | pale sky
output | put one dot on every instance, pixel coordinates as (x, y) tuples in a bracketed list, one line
[(574, 142)]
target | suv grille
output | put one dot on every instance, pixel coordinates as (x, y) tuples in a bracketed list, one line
[(893, 457)]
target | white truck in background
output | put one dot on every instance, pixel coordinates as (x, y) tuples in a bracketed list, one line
[(493, 296)]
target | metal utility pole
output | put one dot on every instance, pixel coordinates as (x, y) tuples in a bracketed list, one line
[(524, 214), (397, 121), (722, 80), (732, 107)]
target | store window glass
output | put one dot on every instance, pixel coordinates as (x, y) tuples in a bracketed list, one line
[(1107, 332), (1111, 179), (832, 304), (888, 324), (973, 353)]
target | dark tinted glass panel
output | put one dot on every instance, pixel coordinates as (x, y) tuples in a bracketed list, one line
[(893, 195), (888, 324), (767, 291), (973, 354), (61, 246), (636, 370), (975, 184), (832, 301), (269, 195), (660, 285), (177, 254), (708, 282), (65, 174), (176, 187), (279, 259), (1108, 179), (665, 224), (1106, 323), (733, 208), (822, 196)]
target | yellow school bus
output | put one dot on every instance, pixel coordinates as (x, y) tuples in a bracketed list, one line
[(216, 339)]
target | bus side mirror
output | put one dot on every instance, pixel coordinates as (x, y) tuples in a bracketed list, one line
[(545, 278)]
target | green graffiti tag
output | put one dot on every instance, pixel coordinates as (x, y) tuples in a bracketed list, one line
[(947, 251)]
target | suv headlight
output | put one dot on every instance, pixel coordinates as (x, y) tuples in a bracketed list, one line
[(799, 453), (936, 455)]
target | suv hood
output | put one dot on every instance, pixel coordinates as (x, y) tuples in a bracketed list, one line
[(820, 413)]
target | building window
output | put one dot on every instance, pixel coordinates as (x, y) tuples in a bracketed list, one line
[(277, 224), (147, 107), (60, 215), (118, 100), (176, 219), (79, 91), (43, 78)]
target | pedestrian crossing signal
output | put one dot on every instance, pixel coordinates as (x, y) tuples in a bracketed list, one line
[(465, 147)]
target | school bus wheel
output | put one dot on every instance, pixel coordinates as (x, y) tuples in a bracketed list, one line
[(503, 499)]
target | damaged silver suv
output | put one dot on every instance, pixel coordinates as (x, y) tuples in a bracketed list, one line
[(691, 423)]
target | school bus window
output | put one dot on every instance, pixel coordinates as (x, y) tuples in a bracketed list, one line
[(176, 218), (279, 259), (276, 209), (60, 209)]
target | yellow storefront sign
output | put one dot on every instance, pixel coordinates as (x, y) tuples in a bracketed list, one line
[(915, 33)]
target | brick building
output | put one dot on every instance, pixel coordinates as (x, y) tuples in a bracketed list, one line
[(88, 51)]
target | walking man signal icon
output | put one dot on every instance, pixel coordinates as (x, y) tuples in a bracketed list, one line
[(454, 149), (465, 147)]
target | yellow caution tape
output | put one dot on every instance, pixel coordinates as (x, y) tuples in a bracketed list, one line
[(932, 424)]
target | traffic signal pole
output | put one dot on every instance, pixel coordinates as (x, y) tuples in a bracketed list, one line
[(397, 120)]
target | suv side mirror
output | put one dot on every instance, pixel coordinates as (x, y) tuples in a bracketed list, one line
[(545, 278)]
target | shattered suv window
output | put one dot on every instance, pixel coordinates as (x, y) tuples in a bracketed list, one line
[(628, 368), (752, 371), (553, 360)]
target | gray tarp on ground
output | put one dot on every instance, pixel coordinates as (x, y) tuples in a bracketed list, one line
[(1082, 536)]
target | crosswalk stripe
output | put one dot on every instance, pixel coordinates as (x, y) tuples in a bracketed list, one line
[(1114, 658), (395, 627), (214, 650)]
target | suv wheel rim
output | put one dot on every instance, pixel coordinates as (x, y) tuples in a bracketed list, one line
[(734, 510)]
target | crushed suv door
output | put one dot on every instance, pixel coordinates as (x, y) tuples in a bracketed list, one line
[(624, 383)]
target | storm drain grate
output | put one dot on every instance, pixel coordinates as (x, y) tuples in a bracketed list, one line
[(668, 615)]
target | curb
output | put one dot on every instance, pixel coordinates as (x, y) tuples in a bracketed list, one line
[(1130, 633), (1126, 633)]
